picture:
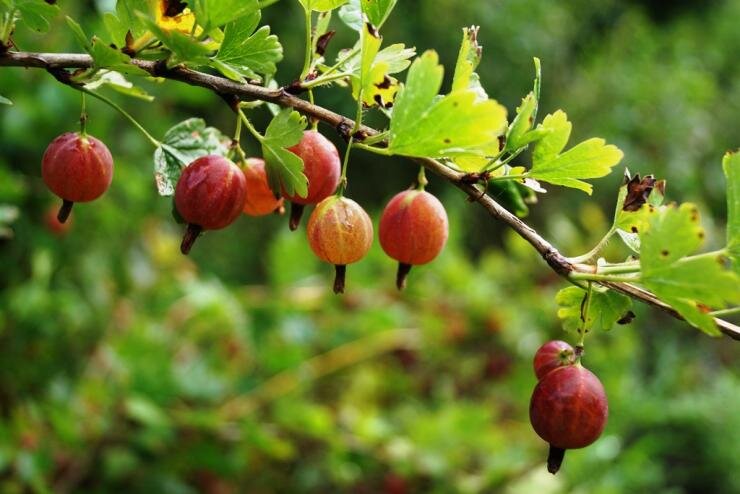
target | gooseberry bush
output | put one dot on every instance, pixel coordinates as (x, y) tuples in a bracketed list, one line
[(464, 135)]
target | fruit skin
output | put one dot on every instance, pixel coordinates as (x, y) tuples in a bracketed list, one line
[(210, 195), (211, 192), (552, 355), (569, 407), (413, 230), (260, 200), (78, 168), (321, 165), (413, 227), (339, 232)]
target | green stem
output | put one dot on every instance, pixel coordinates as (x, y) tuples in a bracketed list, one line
[(156, 143), (83, 116), (509, 177), (584, 320), (577, 275), (725, 312), (237, 141), (8, 25), (343, 179), (372, 149), (250, 127), (630, 267), (597, 249), (309, 45), (493, 165), (341, 61), (324, 80), (421, 179)]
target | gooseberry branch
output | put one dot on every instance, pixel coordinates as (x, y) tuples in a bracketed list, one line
[(250, 92)]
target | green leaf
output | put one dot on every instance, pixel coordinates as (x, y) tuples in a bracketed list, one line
[(215, 13), (284, 168), (592, 158), (468, 59), (377, 12), (519, 129), (605, 309), (690, 285), (184, 48), (731, 167), (322, 5), (396, 57), (117, 82), (128, 15), (182, 144), (5, 101), (36, 14), (247, 53), (424, 124), (104, 56), (557, 132)]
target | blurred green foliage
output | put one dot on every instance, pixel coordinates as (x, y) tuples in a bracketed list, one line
[(125, 367)]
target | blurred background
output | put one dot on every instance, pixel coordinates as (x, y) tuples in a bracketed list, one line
[(127, 367)]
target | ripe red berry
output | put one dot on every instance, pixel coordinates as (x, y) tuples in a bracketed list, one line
[(552, 355), (260, 198), (322, 168), (209, 196), (568, 410), (77, 168), (339, 232), (413, 230)]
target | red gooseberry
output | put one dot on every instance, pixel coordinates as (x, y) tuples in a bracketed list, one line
[(78, 168), (209, 195), (339, 232), (413, 230)]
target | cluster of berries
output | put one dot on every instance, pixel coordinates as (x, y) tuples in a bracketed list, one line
[(213, 191), (568, 407)]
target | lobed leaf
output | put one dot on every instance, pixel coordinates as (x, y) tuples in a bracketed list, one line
[(182, 144), (731, 167), (284, 168), (377, 12), (690, 285), (468, 59), (592, 158), (216, 13), (246, 53), (36, 14), (425, 124), (605, 309)]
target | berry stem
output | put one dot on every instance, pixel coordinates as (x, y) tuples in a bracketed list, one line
[(401, 274), (191, 234), (339, 277), (554, 459), (65, 210), (421, 179), (296, 212), (83, 116), (343, 178), (123, 112)]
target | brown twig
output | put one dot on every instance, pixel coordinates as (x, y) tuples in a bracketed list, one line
[(251, 92)]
